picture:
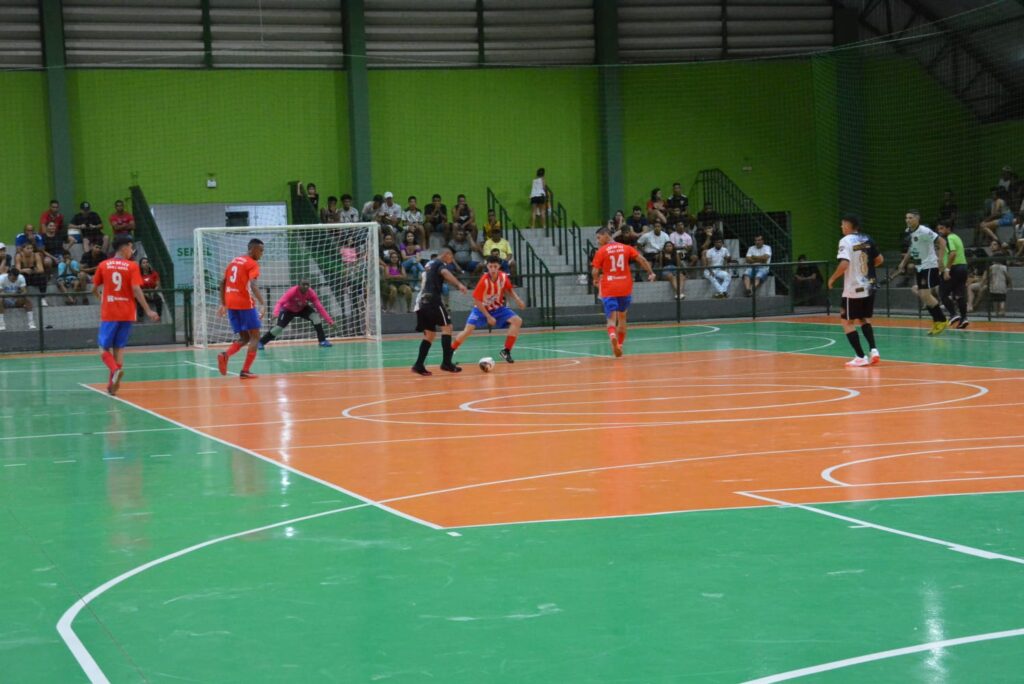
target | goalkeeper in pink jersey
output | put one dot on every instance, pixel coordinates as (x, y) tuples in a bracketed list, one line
[(299, 301)]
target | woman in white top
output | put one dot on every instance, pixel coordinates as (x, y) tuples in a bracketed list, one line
[(539, 200)]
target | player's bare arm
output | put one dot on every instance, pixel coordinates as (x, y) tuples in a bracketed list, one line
[(140, 297), (222, 311), (447, 275), (840, 270), (515, 296), (646, 265)]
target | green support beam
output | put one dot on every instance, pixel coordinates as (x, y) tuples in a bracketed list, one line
[(51, 16), (354, 27), (610, 96)]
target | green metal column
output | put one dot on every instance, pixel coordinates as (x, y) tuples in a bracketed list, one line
[(610, 107), (354, 25), (52, 19)]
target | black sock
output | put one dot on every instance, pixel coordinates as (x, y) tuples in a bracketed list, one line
[(266, 338), (446, 350), (319, 327), (869, 335), (424, 350), (937, 314), (855, 343)]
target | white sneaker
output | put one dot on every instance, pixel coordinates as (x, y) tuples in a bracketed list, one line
[(857, 361), (876, 358), (31, 326), (44, 302)]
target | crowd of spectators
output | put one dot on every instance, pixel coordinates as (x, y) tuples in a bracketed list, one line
[(64, 254)]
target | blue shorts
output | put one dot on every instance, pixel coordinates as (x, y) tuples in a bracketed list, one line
[(244, 319), (616, 304), (114, 334), (502, 317)]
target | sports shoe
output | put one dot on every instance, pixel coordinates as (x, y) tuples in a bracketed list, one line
[(616, 347), (115, 382), (247, 375), (954, 322), (506, 354), (857, 361), (326, 343), (421, 370), (31, 325), (875, 357), (451, 368), (938, 327), (260, 346), (222, 363), (963, 324)]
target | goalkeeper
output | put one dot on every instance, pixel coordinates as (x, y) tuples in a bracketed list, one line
[(300, 301)]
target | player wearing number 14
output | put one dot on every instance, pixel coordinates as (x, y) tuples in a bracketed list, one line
[(120, 282), (611, 270), (238, 296)]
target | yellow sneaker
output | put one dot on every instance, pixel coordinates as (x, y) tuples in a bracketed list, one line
[(938, 327)]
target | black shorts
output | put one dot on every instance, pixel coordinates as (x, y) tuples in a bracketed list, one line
[(92, 234), (540, 199), (927, 278), (997, 296), (432, 316), (286, 316), (852, 309)]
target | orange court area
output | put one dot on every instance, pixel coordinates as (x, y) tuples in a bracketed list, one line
[(595, 437)]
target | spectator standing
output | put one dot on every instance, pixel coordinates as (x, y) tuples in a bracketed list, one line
[(412, 220), (71, 280), (121, 222), (759, 255), (348, 213), (13, 294), (53, 214), (90, 225), (313, 195), (150, 289), (437, 218), (539, 200), (716, 259), (997, 279), (331, 213)]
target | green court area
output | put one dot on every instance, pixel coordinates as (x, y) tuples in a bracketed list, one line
[(138, 548)]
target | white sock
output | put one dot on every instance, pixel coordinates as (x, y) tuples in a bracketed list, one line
[(31, 316)]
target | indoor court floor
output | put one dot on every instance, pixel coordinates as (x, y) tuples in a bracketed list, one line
[(725, 503)]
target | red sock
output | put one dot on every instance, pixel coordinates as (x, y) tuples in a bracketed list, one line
[(456, 344), (611, 331), (622, 337), (233, 349), (509, 342), (108, 361), (249, 358)]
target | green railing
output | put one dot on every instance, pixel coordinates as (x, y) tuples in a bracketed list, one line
[(565, 234), (528, 262)]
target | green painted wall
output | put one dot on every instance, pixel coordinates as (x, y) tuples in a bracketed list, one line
[(167, 129), (682, 118), (460, 131), (26, 172)]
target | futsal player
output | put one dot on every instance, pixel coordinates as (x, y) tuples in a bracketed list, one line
[(431, 312), (858, 258), (928, 250), (239, 296), (299, 301), (117, 282), (612, 271), (490, 308)]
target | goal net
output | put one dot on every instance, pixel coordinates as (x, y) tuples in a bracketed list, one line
[(339, 260)]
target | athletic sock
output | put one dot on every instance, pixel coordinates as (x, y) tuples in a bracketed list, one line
[(622, 337), (869, 335), (320, 334), (855, 343), (456, 344), (611, 332), (424, 350), (249, 358), (446, 350), (937, 314), (510, 342), (108, 361), (233, 349)]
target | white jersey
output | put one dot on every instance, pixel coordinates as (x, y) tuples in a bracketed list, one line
[(9, 287), (537, 189), (859, 252), (922, 247)]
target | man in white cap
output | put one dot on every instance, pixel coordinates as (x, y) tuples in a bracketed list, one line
[(390, 215)]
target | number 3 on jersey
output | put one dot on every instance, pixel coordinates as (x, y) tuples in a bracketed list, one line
[(234, 274)]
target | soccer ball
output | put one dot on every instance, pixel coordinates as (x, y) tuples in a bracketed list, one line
[(486, 364)]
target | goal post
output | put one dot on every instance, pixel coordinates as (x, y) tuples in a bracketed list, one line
[(339, 260)]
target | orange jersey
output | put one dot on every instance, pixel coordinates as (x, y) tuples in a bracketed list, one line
[(240, 272), (116, 277), (492, 292), (613, 261)]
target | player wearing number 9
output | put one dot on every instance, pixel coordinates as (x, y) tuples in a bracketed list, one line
[(611, 270), (118, 283), (239, 296)]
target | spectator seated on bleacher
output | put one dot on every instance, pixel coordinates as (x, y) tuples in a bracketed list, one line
[(709, 218), (29, 262), (13, 291), (495, 241), (464, 217), (371, 210), (348, 214), (998, 225), (656, 210), (396, 282), (53, 214), (121, 222), (759, 255), (464, 249), (668, 264), (490, 225), (977, 287), (683, 242), (92, 259), (28, 234), (71, 282), (503, 264), (637, 222), (616, 222), (387, 246), (413, 220), (90, 226), (807, 282), (437, 218), (390, 215), (1006, 178), (411, 250), (716, 262), (653, 241), (54, 247), (331, 213), (150, 290)]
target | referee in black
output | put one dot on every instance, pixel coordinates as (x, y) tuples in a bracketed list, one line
[(431, 312)]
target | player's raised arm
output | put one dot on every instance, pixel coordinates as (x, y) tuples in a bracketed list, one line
[(450, 277)]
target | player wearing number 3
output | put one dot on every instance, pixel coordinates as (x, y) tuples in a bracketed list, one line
[(611, 270), (239, 296), (120, 280)]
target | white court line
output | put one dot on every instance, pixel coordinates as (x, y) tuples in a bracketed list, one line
[(827, 473), (883, 655), (86, 434), (75, 645), (901, 482), (952, 546), (564, 351), (277, 464), (203, 365)]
